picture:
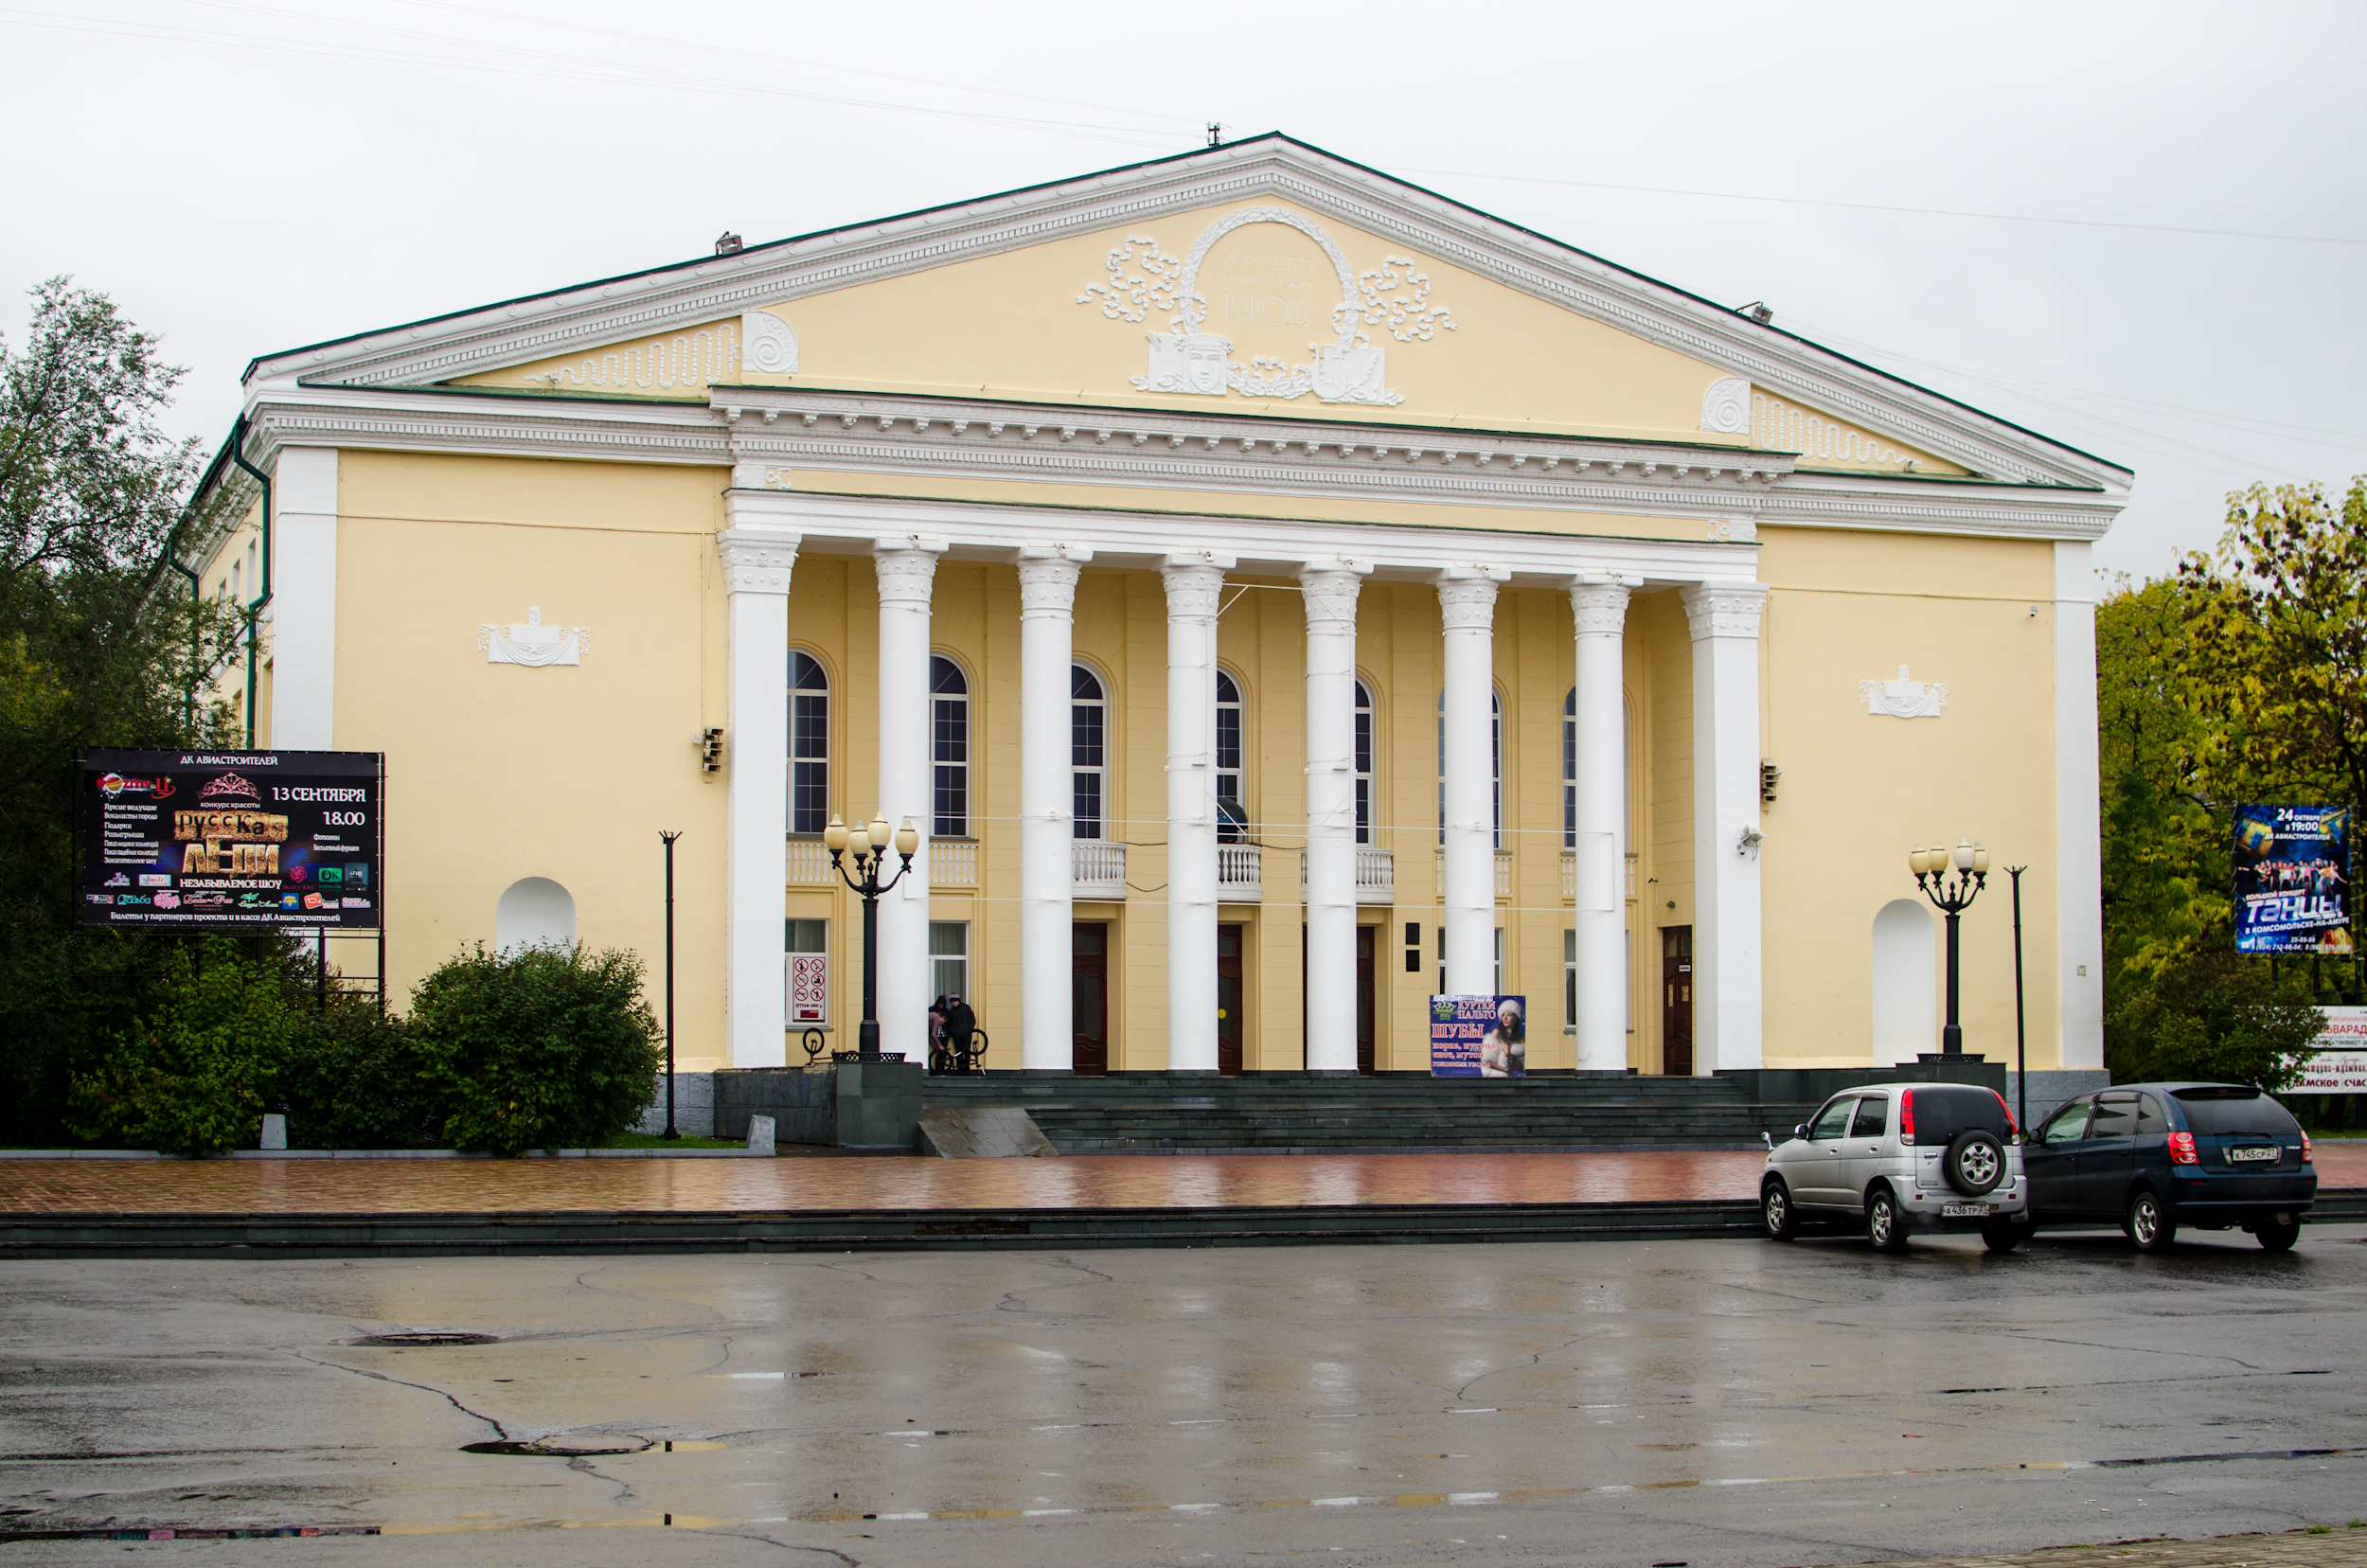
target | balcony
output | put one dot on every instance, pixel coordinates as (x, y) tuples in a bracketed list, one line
[(1240, 873), (1570, 874), (952, 862), (1375, 876), (809, 864), (1097, 870), (1504, 873)]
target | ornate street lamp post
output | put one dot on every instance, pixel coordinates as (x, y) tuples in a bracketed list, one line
[(868, 848), (1930, 866)]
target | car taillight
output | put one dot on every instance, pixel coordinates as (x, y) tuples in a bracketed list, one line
[(1906, 1116), (2013, 1130), (2183, 1150), (2305, 1146)]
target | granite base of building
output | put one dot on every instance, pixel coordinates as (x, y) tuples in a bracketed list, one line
[(846, 1105), (694, 1106)]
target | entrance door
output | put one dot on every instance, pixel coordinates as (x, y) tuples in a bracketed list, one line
[(1090, 965), (1367, 945), (1229, 1000), (1676, 1008)]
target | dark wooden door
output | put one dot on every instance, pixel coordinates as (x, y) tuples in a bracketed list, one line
[(1367, 944), (1676, 1008), (1090, 945), (1229, 1000)]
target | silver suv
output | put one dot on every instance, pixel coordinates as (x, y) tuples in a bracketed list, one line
[(1902, 1157)]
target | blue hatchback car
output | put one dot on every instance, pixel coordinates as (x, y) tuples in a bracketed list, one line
[(2152, 1157)]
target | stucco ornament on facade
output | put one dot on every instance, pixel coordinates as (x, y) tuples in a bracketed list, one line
[(534, 644), (1903, 698), (1726, 406), (1186, 358), (766, 344)]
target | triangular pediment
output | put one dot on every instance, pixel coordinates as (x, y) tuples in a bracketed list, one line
[(1262, 279)]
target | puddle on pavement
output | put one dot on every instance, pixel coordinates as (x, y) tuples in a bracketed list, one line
[(562, 1447), (427, 1337)]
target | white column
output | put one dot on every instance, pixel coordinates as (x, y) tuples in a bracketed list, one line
[(1330, 592), (757, 567), (2078, 835), (1724, 618), (303, 612), (1047, 903), (1194, 584), (1466, 608), (906, 569), (1600, 610)]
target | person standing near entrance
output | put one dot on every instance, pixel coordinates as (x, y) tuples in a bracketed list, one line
[(961, 1026)]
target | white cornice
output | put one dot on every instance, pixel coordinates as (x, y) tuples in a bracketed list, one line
[(1729, 491), (723, 286)]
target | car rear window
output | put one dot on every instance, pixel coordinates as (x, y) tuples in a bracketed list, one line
[(1942, 1110), (2233, 1111)]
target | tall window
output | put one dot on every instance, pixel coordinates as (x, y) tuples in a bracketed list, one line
[(1364, 763), (1495, 765), (1231, 821), (1570, 770), (948, 740), (1089, 767), (948, 958), (808, 745)]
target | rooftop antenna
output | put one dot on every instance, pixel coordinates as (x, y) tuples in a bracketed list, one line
[(1216, 134)]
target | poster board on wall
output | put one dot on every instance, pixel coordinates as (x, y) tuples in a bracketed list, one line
[(2340, 1065), (1479, 1036)]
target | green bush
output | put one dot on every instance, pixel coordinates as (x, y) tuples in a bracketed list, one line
[(538, 1047), (356, 1078), (192, 1073), (2211, 1014)]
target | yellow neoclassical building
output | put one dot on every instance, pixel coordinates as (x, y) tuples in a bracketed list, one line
[(1273, 593)]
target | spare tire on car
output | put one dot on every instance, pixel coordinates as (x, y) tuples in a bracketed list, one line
[(1975, 1163)]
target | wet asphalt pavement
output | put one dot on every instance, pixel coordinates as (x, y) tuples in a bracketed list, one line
[(1709, 1403)]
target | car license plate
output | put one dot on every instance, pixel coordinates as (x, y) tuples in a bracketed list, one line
[(1964, 1211), (2236, 1155)]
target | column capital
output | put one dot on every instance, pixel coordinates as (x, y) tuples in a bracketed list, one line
[(1331, 589), (1724, 609), (906, 565), (1599, 607), (756, 560), (1047, 585), (1194, 581), (1467, 596)]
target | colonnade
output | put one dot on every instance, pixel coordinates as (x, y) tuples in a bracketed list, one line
[(1723, 617)]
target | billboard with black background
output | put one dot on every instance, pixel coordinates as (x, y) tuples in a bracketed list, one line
[(196, 839), (2292, 889)]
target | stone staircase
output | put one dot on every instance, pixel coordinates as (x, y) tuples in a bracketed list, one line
[(1298, 1113)]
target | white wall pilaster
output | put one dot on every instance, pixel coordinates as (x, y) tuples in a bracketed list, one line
[(1047, 601), (906, 569), (1330, 592), (304, 599), (1194, 583), (1467, 607), (1599, 609), (1724, 619), (2078, 833), (757, 568)]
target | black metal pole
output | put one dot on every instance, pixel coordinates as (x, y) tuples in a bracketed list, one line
[(2021, 1037), (1952, 1036), (669, 839), (867, 1036)]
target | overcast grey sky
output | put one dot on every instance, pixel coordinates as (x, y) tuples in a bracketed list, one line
[(244, 177)]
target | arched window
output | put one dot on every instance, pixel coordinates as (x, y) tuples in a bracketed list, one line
[(1232, 822), (948, 742), (1088, 766), (1570, 770), (534, 912), (1905, 981), (1496, 764), (1364, 763), (808, 745)]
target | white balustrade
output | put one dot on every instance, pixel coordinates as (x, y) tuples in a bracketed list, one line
[(808, 862), (1504, 874), (1240, 872), (1097, 869), (1375, 876), (952, 862)]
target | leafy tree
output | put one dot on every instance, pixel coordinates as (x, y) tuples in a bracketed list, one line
[(2214, 1014), (192, 1074), (538, 1048), (97, 648), (355, 1077)]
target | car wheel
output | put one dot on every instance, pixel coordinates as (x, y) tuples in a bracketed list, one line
[(1884, 1225), (2003, 1236), (2147, 1226), (2276, 1237), (1975, 1163), (1775, 1208)]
